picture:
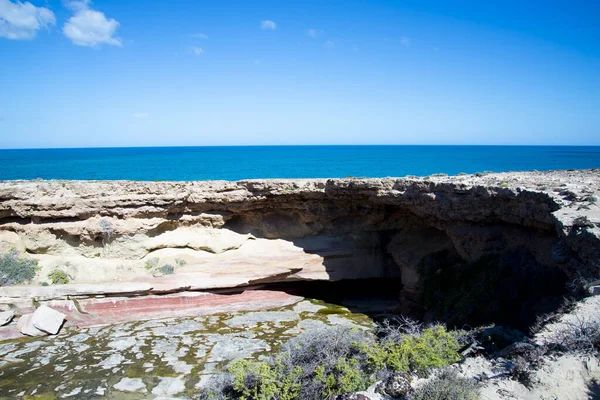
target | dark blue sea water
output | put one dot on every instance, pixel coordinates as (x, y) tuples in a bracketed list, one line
[(234, 163)]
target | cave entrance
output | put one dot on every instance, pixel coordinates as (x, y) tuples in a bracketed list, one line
[(376, 297)]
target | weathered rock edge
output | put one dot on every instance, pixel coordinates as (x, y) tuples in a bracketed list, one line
[(560, 205)]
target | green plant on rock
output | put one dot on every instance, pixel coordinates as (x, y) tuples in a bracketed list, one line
[(15, 270), (58, 277), (180, 262), (151, 263), (167, 269)]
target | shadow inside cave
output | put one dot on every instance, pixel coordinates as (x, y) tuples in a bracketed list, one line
[(384, 261)]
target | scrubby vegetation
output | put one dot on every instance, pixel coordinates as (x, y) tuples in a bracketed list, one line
[(58, 277), (106, 229), (15, 270), (582, 335), (447, 385), (151, 263), (336, 360), (167, 269)]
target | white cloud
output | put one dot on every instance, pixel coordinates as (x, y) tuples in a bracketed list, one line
[(267, 24), (89, 27), (405, 41), (329, 44), (313, 33), (141, 115), (200, 36), (197, 51), (21, 21)]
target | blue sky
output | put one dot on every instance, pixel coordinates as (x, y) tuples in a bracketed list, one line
[(133, 73)]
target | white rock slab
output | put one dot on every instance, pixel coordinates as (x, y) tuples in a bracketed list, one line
[(131, 385), (6, 317), (25, 326), (47, 319)]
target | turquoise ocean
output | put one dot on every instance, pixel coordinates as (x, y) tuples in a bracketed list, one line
[(253, 162)]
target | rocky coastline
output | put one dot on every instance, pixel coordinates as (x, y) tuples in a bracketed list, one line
[(130, 251)]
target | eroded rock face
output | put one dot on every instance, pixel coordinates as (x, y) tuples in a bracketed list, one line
[(220, 234)]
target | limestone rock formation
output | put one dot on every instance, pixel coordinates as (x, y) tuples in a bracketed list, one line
[(114, 237)]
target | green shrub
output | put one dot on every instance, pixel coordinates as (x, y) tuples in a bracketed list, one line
[(181, 262), (151, 263), (434, 347), (447, 386), (260, 380), (167, 269), (347, 376), (333, 360), (15, 270), (58, 277)]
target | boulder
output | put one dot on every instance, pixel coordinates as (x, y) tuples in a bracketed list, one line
[(396, 385), (594, 290), (47, 319), (25, 326), (6, 317)]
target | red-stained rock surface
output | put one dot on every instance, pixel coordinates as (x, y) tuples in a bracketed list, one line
[(108, 311)]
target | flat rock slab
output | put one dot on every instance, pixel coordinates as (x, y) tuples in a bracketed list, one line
[(101, 311), (47, 319), (6, 317), (26, 327)]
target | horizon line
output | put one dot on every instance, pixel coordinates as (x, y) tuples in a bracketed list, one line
[(298, 145)]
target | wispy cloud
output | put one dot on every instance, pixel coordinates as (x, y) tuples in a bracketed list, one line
[(329, 44), (21, 21), (88, 27), (405, 41), (141, 115), (197, 51), (313, 33), (268, 25), (199, 36)]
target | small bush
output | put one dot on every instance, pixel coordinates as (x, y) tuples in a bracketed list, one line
[(107, 230), (181, 262), (58, 277), (581, 336), (260, 380), (447, 386), (151, 263), (503, 185), (15, 270), (582, 222), (167, 269), (434, 347), (522, 372)]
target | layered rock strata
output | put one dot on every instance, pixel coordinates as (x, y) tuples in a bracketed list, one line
[(123, 238)]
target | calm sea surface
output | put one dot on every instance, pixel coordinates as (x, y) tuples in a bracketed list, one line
[(234, 163)]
